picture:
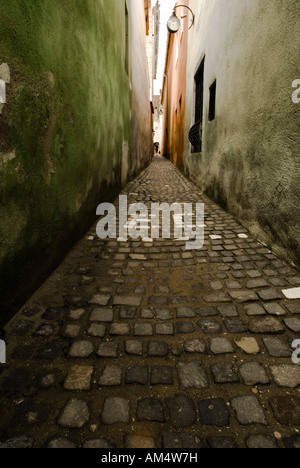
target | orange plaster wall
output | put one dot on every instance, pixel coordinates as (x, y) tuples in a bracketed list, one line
[(175, 88)]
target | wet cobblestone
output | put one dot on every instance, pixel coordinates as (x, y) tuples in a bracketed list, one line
[(141, 343)]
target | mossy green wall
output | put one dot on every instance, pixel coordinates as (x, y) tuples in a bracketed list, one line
[(66, 118)]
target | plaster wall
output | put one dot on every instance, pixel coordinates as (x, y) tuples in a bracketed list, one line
[(250, 161), (66, 129)]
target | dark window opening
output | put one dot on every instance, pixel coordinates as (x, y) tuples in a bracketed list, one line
[(126, 40), (195, 135), (212, 101)]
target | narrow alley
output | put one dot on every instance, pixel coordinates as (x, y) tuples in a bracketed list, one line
[(145, 344), (149, 226)]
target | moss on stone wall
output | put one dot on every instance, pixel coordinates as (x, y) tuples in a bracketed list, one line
[(67, 116)]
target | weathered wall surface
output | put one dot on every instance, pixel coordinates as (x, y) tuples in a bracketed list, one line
[(250, 161), (141, 113), (174, 92), (63, 129)]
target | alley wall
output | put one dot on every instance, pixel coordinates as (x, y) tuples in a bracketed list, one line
[(66, 129), (250, 159)]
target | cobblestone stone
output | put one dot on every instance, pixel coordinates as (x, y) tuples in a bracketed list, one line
[(216, 297), (119, 329), (116, 410), (266, 325), (164, 329), (158, 300), (213, 412), (163, 314), (184, 327), (18, 442), (210, 326), (137, 375), (51, 351), (255, 309), (48, 380), (75, 415), (286, 375), (134, 347), (147, 314), (221, 346), (248, 410), (248, 345), (53, 313), (109, 350), (173, 440), (269, 294), (286, 409), (75, 301), (111, 376), (228, 311), (61, 443), (257, 283), (100, 299), (235, 325), (150, 409), (135, 441), (161, 375), (253, 373), (79, 378), (182, 411), (261, 442), (133, 301), (276, 348), (72, 331), (81, 349), (192, 375), (161, 338), (98, 444), (207, 312), (185, 312), (274, 309), (157, 349), (97, 330), (294, 308), (195, 346), (221, 443), (143, 329), (128, 313), (293, 324), (77, 314), (21, 327), (224, 373), (292, 442), (102, 315)]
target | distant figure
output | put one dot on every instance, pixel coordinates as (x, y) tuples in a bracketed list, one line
[(156, 148), (2, 352)]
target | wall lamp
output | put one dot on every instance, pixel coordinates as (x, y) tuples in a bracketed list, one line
[(174, 22)]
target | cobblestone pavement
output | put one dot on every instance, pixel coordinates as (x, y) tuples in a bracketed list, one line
[(145, 344)]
